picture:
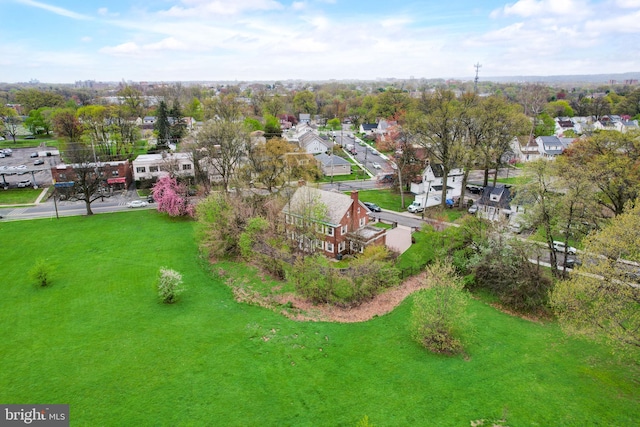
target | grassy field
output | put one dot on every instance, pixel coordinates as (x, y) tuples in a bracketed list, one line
[(19, 196), (99, 340)]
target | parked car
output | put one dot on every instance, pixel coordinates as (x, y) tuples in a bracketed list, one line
[(376, 165), (473, 209), (150, 199), (572, 262), (38, 162), (24, 183), (560, 247), (30, 137), (32, 155), (137, 204), (7, 152), (474, 189), (373, 207)]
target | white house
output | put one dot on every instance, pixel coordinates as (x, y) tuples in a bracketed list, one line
[(552, 146), (428, 190), (149, 166)]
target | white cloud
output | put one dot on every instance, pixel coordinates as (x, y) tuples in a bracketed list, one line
[(128, 48), (201, 8), (298, 5), (532, 8), (627, 23), (103, 11), (55, 9), (86, 39), (628, 4)]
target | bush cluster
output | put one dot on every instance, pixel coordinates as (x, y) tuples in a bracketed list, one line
[(315, 279)]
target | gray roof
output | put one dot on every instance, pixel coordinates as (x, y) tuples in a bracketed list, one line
[(501, 191), (309, 136), (369, 126), (328, 160), (337, 203)]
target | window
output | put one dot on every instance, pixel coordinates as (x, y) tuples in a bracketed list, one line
[(348, 214), (115, 173), (341, 246), (329, 247), (153, 168), (329, 231), (186, 167), (344, 230), (141, 169), (287, 219), (361, 222), (62, 176)]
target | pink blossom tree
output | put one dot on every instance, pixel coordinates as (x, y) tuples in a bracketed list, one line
[(171, 197)]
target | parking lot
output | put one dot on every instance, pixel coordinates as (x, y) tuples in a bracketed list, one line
[(20, 165)]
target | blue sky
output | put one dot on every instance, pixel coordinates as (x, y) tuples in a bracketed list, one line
[(62, 41)]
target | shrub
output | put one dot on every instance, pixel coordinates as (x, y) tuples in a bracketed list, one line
[(41, 273), (438, 316), (169, 285), (506, 272)]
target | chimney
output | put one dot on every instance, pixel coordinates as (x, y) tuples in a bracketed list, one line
[(301, 183), (354, 196)]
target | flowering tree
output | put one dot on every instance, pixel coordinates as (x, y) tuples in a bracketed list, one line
[(171, 197)]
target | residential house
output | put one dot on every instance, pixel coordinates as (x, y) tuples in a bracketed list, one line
[(551, 146), (329, 221), (564, 124), (117, 175), (148, 122), (525, 149), (332, 165), (312, 143), (304, 118), (495, 204), (428, 187), (153, 166), (627, 125), (368, 128)]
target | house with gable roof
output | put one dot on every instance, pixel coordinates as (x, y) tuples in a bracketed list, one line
[(368, 128), (495, 204), (428, 187), (552, 146), (332, 165), (342, 228)]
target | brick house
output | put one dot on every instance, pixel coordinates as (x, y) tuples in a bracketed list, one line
[(117, 175), (331, 222)]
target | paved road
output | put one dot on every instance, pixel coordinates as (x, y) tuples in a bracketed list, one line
[(47, 209)]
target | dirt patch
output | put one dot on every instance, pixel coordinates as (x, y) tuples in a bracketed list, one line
[(304, 310)]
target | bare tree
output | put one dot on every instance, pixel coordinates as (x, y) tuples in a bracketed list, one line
[(87, 178), (440, 130), (533, 97), (224, 142)]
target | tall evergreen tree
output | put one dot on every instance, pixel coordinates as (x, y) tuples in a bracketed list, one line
[(162, 126)]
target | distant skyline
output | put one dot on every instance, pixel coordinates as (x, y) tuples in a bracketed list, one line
[(61, 41)]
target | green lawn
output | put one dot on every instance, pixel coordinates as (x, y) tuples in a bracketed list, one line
[(98, 340), (386, 199), (19, 196)]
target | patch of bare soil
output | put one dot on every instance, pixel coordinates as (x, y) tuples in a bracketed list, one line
[(304, 310)]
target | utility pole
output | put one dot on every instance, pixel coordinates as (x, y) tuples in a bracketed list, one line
[(475, 81)]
